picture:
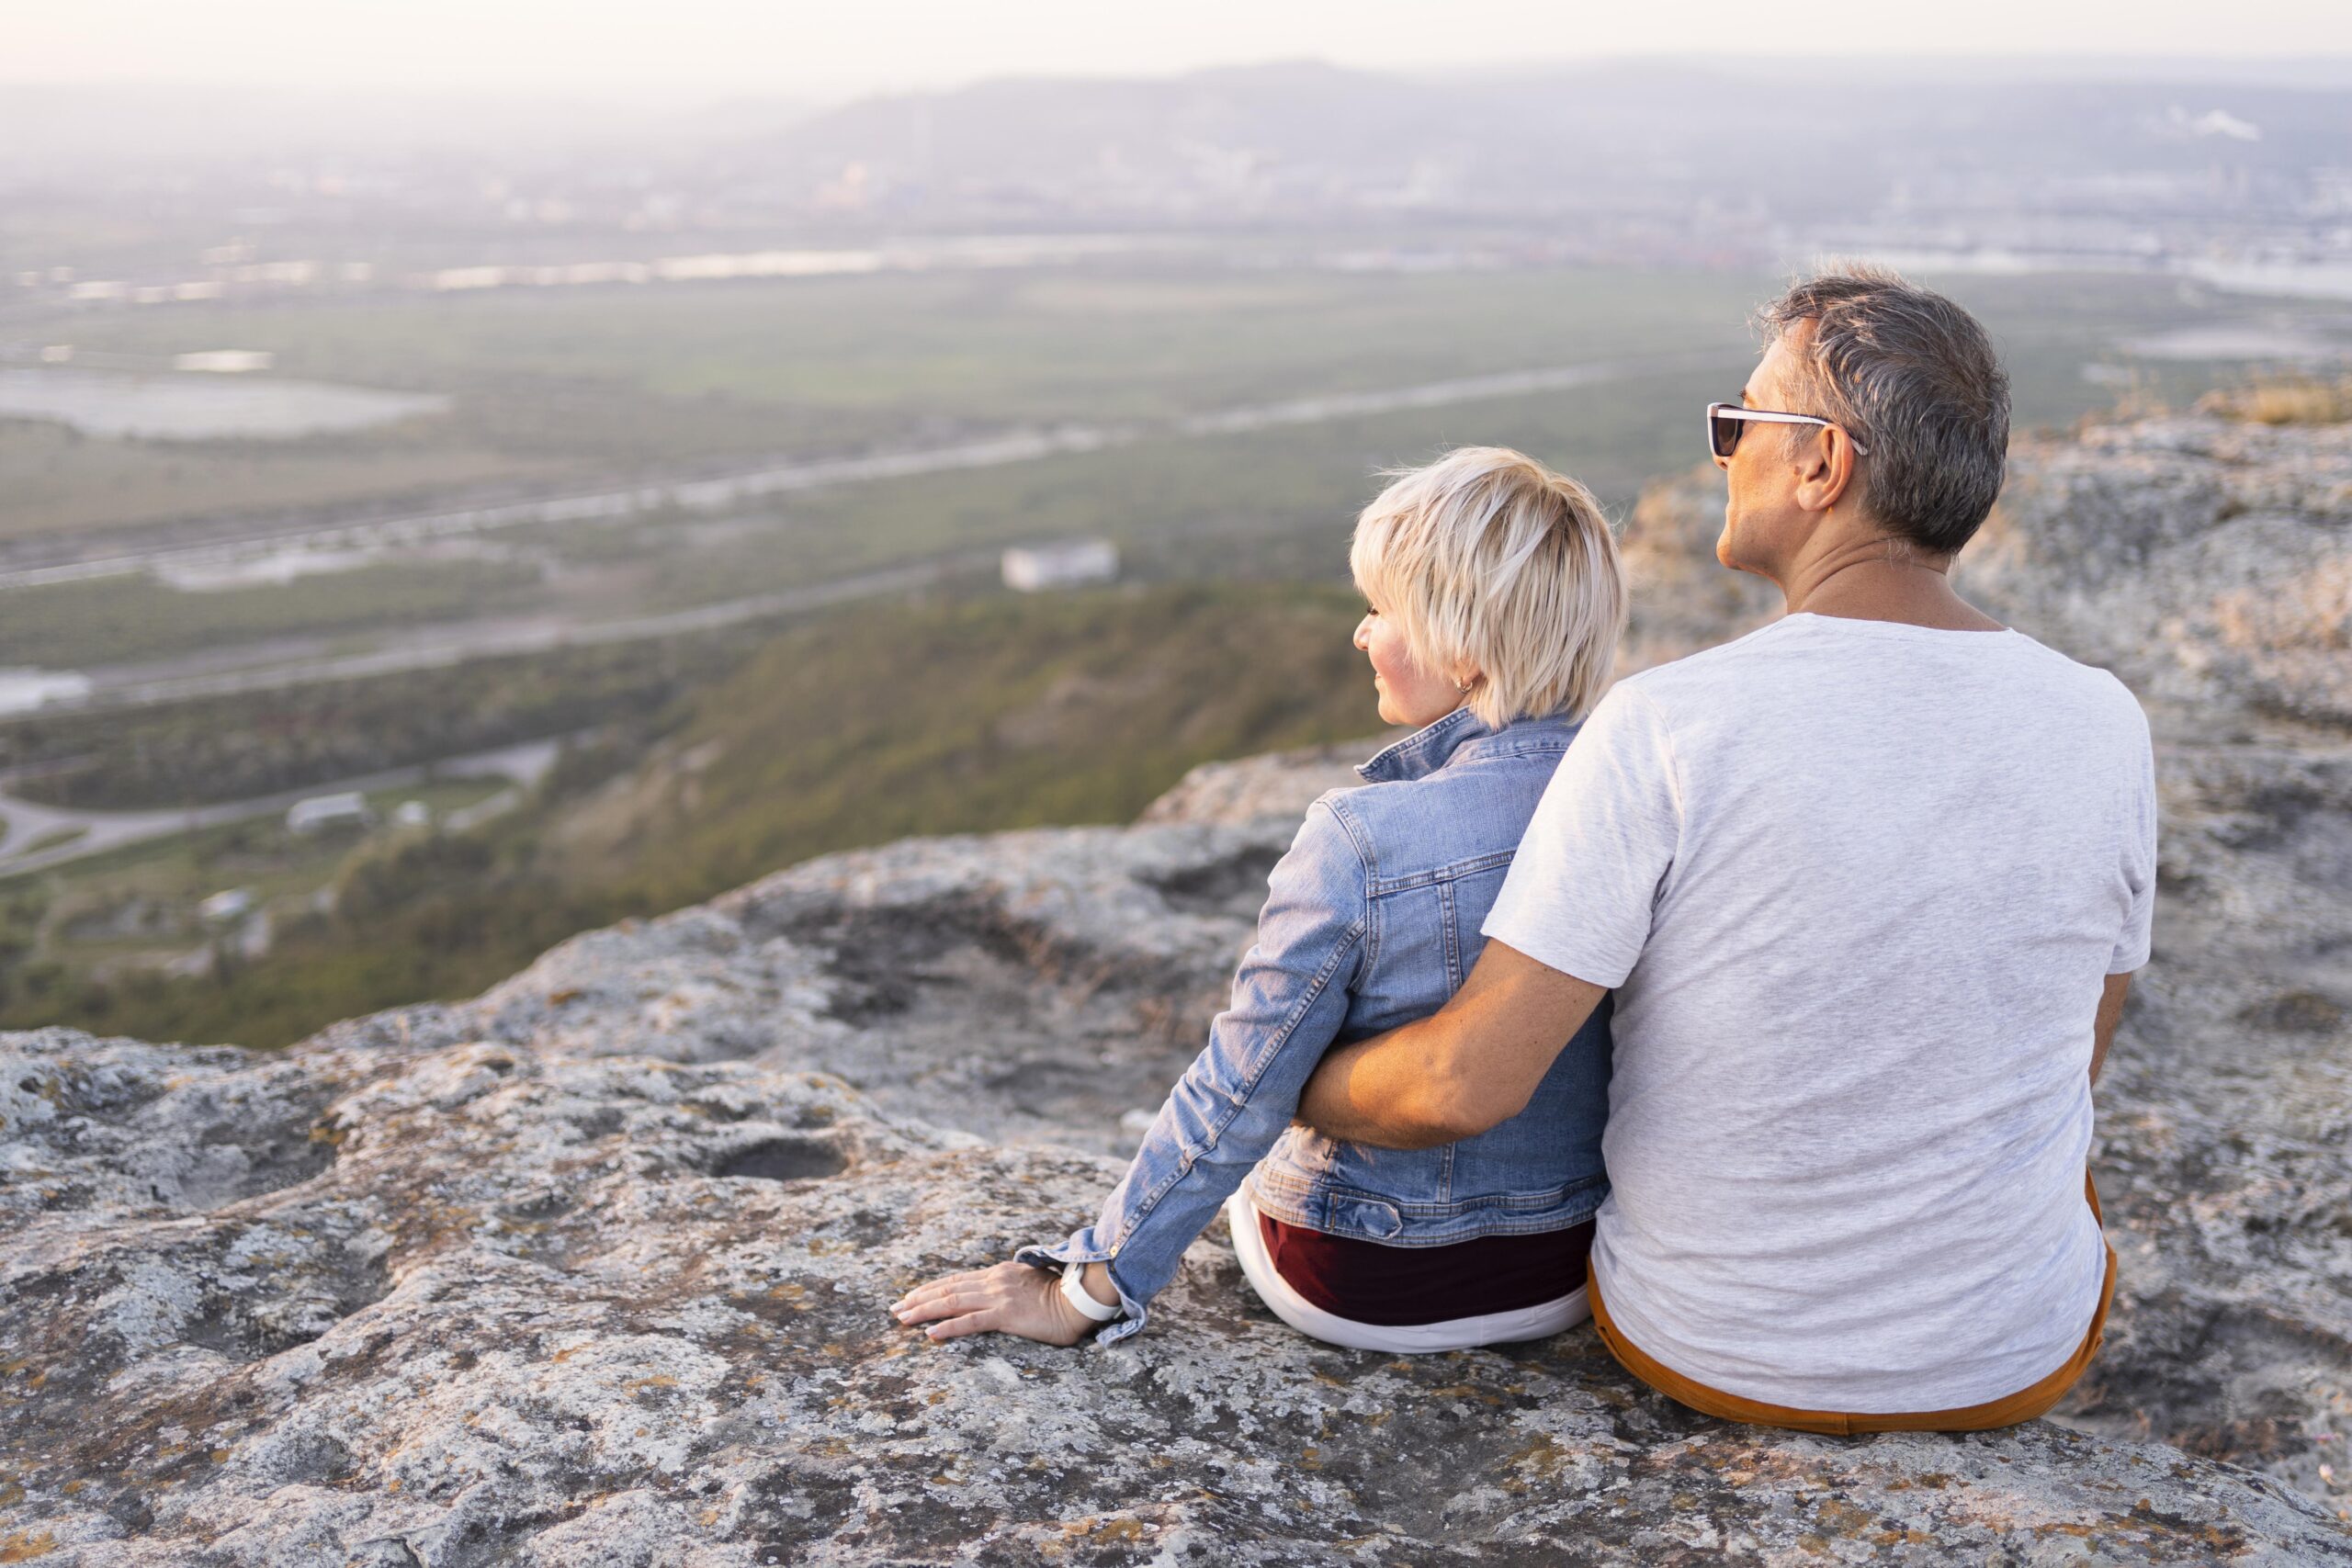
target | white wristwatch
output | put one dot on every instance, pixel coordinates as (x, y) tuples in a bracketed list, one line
[(1074, 1291)]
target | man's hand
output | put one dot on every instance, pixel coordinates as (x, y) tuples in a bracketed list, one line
[(1009, 1298), (2110, 1013), (1472, 1066)]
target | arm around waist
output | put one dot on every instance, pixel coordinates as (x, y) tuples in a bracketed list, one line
[(1468, 1067)]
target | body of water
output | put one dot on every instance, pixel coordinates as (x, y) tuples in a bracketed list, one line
[(188, 406)]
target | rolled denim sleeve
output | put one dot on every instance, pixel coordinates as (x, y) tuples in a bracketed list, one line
[(1233, 1103)]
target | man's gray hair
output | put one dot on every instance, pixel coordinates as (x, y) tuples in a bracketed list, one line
[(1911, 376)]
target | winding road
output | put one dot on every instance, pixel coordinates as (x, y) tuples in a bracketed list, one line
[(29, 821)]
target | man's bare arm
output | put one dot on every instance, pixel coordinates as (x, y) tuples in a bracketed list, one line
[(2110, 1013), (1472, 1066)]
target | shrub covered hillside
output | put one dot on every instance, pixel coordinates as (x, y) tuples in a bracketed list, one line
[(852, 728)]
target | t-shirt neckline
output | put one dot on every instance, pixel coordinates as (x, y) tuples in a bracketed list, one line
[(1892, 628)]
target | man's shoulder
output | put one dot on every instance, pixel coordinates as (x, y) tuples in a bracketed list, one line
[(2087, 689), (2065, 667), (1699, 677)]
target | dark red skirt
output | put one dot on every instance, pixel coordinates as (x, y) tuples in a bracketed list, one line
[(1398, 1286)]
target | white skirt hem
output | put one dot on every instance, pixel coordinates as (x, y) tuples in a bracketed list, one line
[(1411, 1339)]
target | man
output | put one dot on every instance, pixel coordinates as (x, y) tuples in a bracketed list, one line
[(1868, 885)]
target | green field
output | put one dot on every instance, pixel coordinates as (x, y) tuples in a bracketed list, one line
[(886, 352), (570, 383)]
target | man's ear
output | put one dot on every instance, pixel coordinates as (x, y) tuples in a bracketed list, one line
[(1825, 468)]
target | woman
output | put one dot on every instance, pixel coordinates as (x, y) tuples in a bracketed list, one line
[(1495, 602)]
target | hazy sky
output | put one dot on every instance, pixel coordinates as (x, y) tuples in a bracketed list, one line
[(731, 47)]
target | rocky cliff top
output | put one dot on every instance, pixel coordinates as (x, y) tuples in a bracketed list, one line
[(592, 1270)]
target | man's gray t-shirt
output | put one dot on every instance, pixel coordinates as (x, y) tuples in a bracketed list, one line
[(1858, 885)]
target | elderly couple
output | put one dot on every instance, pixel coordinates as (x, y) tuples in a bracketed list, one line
[(1756, 1016)]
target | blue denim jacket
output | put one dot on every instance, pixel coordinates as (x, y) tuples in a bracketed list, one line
[(1371, 922)]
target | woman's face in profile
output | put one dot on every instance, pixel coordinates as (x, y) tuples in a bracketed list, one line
[(1409, 696)]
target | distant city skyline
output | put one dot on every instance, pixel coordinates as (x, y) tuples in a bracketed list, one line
[(713, 48)]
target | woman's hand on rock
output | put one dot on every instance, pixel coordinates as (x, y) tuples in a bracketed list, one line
[(1009, 1298)]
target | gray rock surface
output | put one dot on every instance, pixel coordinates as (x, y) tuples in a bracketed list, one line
[(591, 1269), (2208, 561), (530, 1305), (2210, 564)]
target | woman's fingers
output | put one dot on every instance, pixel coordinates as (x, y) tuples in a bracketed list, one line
[(1008, 1298), (957, 1292), (946, 1284), (987, 1320), (949, 1304), (923, 1294)]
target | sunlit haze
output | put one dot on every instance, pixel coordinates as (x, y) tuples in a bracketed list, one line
[(695, 47)]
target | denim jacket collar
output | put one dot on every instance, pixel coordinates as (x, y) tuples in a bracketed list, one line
[(1461, 733)]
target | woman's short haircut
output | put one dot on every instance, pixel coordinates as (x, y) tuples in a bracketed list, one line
[(1490, 563)]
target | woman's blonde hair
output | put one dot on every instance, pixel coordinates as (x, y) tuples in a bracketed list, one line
[(1489, 562)]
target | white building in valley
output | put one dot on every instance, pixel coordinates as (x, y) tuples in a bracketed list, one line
[(231, 903), (1032, 568), (348, 808)]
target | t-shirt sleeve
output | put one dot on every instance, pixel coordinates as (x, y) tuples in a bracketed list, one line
[(2132, 946), (1586, 880)]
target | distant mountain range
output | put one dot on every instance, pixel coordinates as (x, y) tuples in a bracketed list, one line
[(1290, 140), (1698, 160)]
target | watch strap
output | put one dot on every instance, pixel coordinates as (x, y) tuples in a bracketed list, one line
[(1074, 1291)]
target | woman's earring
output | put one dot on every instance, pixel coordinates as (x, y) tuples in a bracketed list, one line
[(1462, 687)]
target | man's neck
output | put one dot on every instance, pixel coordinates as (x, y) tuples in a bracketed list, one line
[(1867, 583)]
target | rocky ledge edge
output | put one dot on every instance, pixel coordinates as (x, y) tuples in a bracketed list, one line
[(593, 1270)]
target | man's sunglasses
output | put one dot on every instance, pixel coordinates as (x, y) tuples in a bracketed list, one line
[(1726, 421)]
